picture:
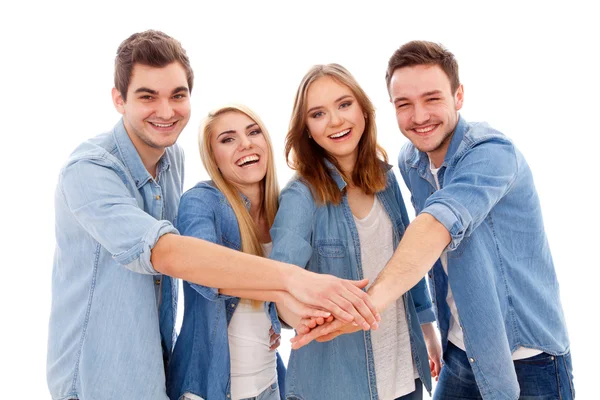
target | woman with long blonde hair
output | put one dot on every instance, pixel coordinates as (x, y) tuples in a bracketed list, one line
[(225, 349), (343, 214)]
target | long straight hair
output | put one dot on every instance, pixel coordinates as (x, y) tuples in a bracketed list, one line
[(308, 158), (270, 203)]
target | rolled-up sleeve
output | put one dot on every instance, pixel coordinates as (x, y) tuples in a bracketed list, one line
[(291, 232), (98, 197), (481, 178)]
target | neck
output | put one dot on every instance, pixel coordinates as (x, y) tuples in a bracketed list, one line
[(347, 164), (150, 155)]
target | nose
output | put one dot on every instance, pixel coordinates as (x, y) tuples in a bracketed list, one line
[(421, 114), (245, 142), (164, 110), (335, 119)]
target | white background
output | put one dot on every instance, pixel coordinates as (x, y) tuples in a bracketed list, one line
[(529, 69)]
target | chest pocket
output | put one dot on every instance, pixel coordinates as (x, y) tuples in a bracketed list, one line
[(333, 257)]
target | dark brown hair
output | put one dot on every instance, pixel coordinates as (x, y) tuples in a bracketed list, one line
[(151, 48), (420, 52), (308, 158)]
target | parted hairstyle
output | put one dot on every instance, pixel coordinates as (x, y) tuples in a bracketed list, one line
[(151, 48), (420, 52), (305, 156), (248, 231)]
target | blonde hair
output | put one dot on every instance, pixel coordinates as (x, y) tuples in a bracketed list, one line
[(270, 203), (308, 158)]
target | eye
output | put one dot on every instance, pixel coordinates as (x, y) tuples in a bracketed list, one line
[(254, 132), (179, 96), (146, 97), (433, 99), (346, 104), (318, 114), (227, 140), (401, 105)]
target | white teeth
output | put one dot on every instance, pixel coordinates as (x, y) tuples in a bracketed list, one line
[(340, 134), (425, 130), (247, 159), (162, 125)]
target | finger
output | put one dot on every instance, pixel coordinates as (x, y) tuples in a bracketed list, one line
[(360, 284), (366, 300), (299, 341), (347, 301), (309, 322), (337, 311), (329, 319), (276, 344), (302, 329), (310, 312), (331, 336), (319, 321)]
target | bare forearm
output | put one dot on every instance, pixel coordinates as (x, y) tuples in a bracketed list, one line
[(423, 242), (208, 264), (261, 295)]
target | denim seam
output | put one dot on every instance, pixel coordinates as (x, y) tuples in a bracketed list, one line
[(87, 317), (557, 373), (564, 360)]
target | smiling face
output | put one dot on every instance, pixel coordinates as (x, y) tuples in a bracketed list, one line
[(335, 120), (240, 149), (426, 108), (157, 107)]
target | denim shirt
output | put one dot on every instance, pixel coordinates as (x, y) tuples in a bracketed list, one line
[(499, 263), (201, 362), (324, 239), (104, 338)]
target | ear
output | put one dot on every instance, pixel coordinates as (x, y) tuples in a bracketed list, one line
[(459, 97), (118, 101)]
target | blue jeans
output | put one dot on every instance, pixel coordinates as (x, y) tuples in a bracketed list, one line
[(541, 377), (416, 395), (270, 393)]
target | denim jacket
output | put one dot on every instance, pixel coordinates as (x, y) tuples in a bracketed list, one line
[(324, 239), (200, 362), (104, 340), (499, 263)]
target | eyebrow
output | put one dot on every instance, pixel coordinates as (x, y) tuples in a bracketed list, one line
[(234, 131), (336, 101), (430, 93), (154, 92)]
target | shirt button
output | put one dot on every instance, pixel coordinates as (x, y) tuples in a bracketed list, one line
[(228, 396), (233, 305), (158, 197), (157, 281), (552, 358), (472, 359)]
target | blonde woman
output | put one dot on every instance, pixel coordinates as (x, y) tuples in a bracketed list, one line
[(225, 350)]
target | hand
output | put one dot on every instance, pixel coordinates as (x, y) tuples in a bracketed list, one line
[(275, 339), (434, 349), (324, 333), (307, 324), (301, 310), (342, 297)]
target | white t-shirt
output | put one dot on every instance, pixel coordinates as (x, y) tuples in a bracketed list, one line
[(394, 368)]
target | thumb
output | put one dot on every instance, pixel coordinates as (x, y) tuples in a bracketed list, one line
[(360, 284)]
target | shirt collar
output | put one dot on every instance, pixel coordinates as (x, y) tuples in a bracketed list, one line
[(337, 177), (132, 159)]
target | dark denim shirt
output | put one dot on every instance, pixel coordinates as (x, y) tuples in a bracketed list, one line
[(324, 239), (499, 263), (200, 363)]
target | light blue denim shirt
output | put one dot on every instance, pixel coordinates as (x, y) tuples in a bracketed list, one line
[(499, 263), (104, 338), (324, 239), (201, 361)]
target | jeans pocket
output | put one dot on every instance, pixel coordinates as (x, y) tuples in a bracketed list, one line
[(538, 377)]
